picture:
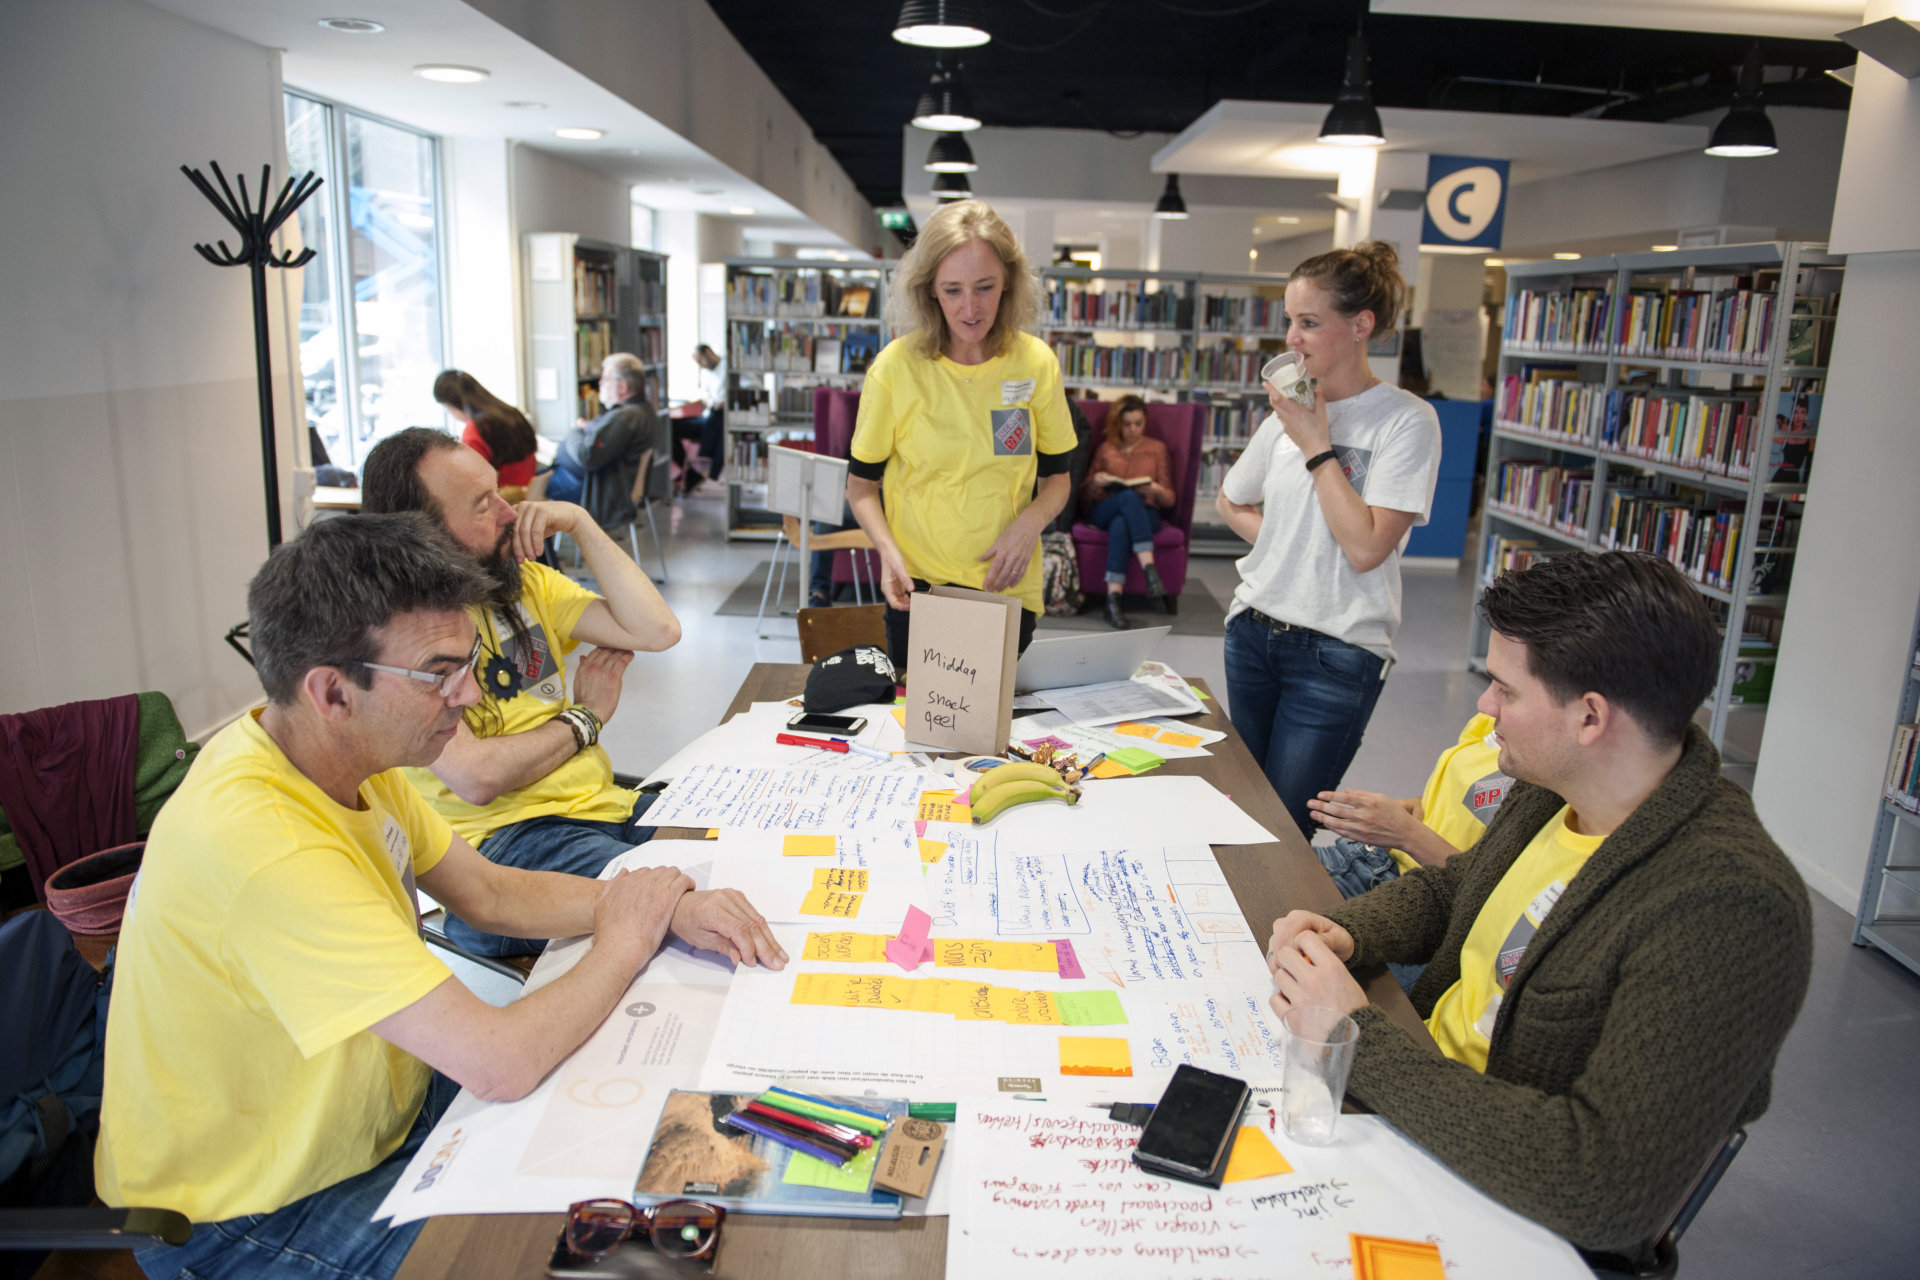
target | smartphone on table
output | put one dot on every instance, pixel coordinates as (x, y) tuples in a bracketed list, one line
[(1190, 1134), (819, 722)]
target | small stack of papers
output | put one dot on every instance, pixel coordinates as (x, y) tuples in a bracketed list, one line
[(1128, 762)]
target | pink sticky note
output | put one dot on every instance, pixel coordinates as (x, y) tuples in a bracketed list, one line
[(911, 947), (919, 828), (1069, 963)]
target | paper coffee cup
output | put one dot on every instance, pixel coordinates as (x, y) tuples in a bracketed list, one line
[(1288, 376)]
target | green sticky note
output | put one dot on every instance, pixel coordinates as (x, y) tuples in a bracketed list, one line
[(1136, 759), (855, 1175), (1090, 1008), (1202, 692)]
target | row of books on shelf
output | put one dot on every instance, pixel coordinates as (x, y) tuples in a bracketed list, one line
[(1225, 314), (1733, 325), (746, 459), (650, 297), (797, 293), (1510, 555), (1213, 470), (1702, 541), (596, 288), (1903, 769), (1546, 494), (1114, 305), (592, 343), (754, 406), (758, 349), (1571, 320), (1233, 421)]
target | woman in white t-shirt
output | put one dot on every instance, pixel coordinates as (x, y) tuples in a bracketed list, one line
[(1326, 496)]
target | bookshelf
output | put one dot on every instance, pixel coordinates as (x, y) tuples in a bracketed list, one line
[(585, 300), (1666, 402), (793, 324), (1889, 912)]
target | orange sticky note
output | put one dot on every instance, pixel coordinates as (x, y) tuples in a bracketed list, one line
[(932, 850), (713, 833), (1384, 1258), (831, 902), (1133, 730), (845, 879), (1111, 769), (808, 847), (941, 806), (900, 714), (1095, 1056), (1254, 1156), (1179, 739)]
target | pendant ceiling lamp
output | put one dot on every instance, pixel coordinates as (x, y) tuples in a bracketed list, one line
[(945, 106), (950, 154), (940, 24), (952, 186), (1745, 129), (1171, 205), (1352, 120)]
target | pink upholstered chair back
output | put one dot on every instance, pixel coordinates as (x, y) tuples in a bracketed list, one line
[(834, 412), (1179, 427)]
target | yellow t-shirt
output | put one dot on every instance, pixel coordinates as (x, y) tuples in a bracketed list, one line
[(962, 445), (1462, 1019), (1464, 791), (268, 930), (582, 786)]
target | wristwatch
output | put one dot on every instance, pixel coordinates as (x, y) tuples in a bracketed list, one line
[(1319, 458)]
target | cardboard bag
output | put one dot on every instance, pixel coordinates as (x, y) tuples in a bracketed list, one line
[(961, 649)]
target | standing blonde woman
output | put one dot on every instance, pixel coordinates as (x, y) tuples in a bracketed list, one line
[(961, 413)]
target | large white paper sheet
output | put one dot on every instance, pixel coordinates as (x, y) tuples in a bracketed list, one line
[(750, 738), (753, 862), (1042, 1189), (764, 798), (1089, 740), (1097, 704), (1120, 813)]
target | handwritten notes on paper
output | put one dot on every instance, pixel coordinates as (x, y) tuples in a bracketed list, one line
[(948, 953), (973, 1001), (764, 798), (943, 806), (836, 891)]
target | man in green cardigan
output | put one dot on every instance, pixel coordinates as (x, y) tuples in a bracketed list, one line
[(1612, 968)]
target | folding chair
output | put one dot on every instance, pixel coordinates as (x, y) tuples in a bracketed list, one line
[(828, 631), (851, 540), (1666, 1250)]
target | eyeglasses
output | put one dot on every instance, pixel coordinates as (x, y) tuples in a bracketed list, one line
[(684, 1229), (445, 681)]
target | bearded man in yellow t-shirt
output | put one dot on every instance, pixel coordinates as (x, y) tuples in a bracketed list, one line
[(524, 779), (1613, 965), (280, 1041)]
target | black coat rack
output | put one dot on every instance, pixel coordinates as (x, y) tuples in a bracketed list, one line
[(255, 226)]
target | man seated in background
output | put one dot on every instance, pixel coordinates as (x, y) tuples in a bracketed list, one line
[(700, 444), (1615, 963), (608, 448), (280, 1041), (524, 779)]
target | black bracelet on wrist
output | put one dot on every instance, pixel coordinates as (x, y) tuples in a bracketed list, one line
[(1319, 458)]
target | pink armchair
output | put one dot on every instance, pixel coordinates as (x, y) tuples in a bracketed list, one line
[(1179, 427)]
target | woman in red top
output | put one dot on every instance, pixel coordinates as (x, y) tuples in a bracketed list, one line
[(1129, 483), (495, 429)]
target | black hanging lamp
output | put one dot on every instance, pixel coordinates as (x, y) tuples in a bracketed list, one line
[(950, 154), (945, 106), (1352, 121), (952, 186), (1745, 130), (940, 24), (1171, 206)]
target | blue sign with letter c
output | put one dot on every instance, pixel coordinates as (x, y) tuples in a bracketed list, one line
[(1466, 202)]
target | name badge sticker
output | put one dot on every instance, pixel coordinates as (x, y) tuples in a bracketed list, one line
[(1016, 392), (399, 848), (1012, 433)]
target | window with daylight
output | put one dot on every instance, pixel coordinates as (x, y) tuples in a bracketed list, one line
[(372, 320)]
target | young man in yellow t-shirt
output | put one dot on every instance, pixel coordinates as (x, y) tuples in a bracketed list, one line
[(524, 779), (280, 1041), (1612, 967)]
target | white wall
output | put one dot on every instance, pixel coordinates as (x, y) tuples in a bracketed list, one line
[(483, 289), (1843, 652), (549, 193), (131, 513)]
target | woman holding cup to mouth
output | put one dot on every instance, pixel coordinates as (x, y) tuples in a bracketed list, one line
[(1326, 492)]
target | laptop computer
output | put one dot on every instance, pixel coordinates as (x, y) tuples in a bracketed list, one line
[(1062, 660)]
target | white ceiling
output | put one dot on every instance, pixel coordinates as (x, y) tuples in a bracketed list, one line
[(1277, 139), (1795, 19), (374, 73)]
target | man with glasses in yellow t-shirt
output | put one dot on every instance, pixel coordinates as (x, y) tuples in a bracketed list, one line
[(280, 1041), (1612, 967)]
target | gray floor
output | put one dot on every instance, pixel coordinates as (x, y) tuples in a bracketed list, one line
[(1820, 1187)]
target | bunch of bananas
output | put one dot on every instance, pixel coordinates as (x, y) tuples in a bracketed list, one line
[(1007, 785)]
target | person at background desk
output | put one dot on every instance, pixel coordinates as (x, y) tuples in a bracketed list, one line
[(961, 414), (1615, 963), (1326, 496), (1129, 483), (607, 449), (524, 779), (700, 444), (281, 1040), (490, 427)]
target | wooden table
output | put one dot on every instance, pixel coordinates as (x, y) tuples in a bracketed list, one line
[(1268, 879)]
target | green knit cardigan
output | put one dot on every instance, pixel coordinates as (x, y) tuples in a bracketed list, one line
[(1642, 1024)]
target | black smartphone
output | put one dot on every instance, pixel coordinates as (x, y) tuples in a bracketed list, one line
[(1191, 1131), (816, 722)]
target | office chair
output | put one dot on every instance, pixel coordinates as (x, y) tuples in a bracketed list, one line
[(1666, 1250)]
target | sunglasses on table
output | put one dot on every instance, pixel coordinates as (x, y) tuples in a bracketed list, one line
[(685, 1229)]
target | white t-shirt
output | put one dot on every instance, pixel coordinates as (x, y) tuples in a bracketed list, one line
[(713, 385), (1388, 442)]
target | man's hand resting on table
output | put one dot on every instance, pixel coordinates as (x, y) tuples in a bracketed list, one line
[(723, 920), (635, 908), (1367, 816), (1307, 958)]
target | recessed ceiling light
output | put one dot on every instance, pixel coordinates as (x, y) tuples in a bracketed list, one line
[(354, 26), (1566, 257), (1286, 219), (575, 133), (527, 106), (1666, 248), (447, 73), (740, 210), (1496, 262)]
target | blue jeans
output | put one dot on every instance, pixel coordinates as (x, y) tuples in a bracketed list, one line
[(1130, 524), (565, 484), (325, 1236), (1301, 701), (549, 844), (820, 584), (1356, 868)]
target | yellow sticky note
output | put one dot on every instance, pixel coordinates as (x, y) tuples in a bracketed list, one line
[(847, 948), (1095, 1056), (1026, 1008), (809, 847), (1385, 1258), (831, 902), (932, 850), (1254, 1156), (900, 714), (941, 806), (845, 879), (1173, 739), (982, 953), (1111, 769), (713, 833), (968, 1001), (1133, 730)]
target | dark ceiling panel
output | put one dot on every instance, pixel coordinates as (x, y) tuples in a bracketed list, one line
[(1156, 65)]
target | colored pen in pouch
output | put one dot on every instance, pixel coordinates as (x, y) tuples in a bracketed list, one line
[(785, 1138), (837, 1132)]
